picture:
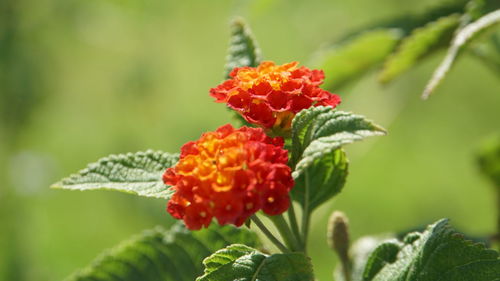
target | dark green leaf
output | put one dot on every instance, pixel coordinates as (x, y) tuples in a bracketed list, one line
[(174, 255), (439, 253), (410, 21), (465, 35), (318, 133), (243, 49), (420, 43), (243, 263), (477, 8), (354, 57), (136, 173), (326, 175)]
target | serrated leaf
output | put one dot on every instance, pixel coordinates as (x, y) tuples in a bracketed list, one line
[(420, 43), (243, 263), (243, 48), (326, 176), (489, 159), (174, 255), (318, 133), (465, 35), (136, 173), (353, 57), (439, 253)]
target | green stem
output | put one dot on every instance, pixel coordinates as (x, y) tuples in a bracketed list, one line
[(497, 234), (306, 214), (285, 232), (268, 234), (294, 224)]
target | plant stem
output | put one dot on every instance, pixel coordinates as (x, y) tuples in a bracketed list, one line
[(293, 222), (268, 234), (285, 232), (497, 234), (306, 214)]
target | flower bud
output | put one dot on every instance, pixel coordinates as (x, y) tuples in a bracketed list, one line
[(338, 239)]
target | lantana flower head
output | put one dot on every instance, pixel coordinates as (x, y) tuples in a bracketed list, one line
[(270, 95), (229, 175)]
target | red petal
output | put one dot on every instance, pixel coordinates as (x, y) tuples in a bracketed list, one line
[(261, 89), (278, 101), (300, 102), (239, 101), (188, 148), (260, 114)]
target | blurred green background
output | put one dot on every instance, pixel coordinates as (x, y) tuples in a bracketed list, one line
[(83, 79)]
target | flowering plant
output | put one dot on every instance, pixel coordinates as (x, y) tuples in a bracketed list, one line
[(286, 163)]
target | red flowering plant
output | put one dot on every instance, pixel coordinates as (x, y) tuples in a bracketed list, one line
[(270, 95), (224, 183), (229, 174)]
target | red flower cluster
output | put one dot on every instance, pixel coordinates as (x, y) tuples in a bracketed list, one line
[(229, 174), (270, 95)]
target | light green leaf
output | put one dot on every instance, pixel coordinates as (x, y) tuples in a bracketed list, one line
[(318, 133), (243, 263), (243, 49), (352, 58), (437, 254), (136, 173), (174, 255), (422, 42), (465, 35)]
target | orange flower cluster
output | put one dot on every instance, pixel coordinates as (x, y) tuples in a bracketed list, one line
[(229, 174), (270, 95)]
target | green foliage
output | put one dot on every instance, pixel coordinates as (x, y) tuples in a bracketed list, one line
[(354, 57), (420, 43), (157, 254), (240, 262), (243, 49), (477, 8), (439, 253), (326, 177), (464, 36), (318, 133), (418, 36), (137, 173), (411, 21), (489, 159)]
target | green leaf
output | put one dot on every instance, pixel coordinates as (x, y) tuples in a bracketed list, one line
[(352, 58), (465, 35), (318, 133), (243, 49), (243, 263), (489, 159), (488, 52), (422, 42), (136, 173), (326, 177), (174, 255), (437, 254), (477, 8)]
